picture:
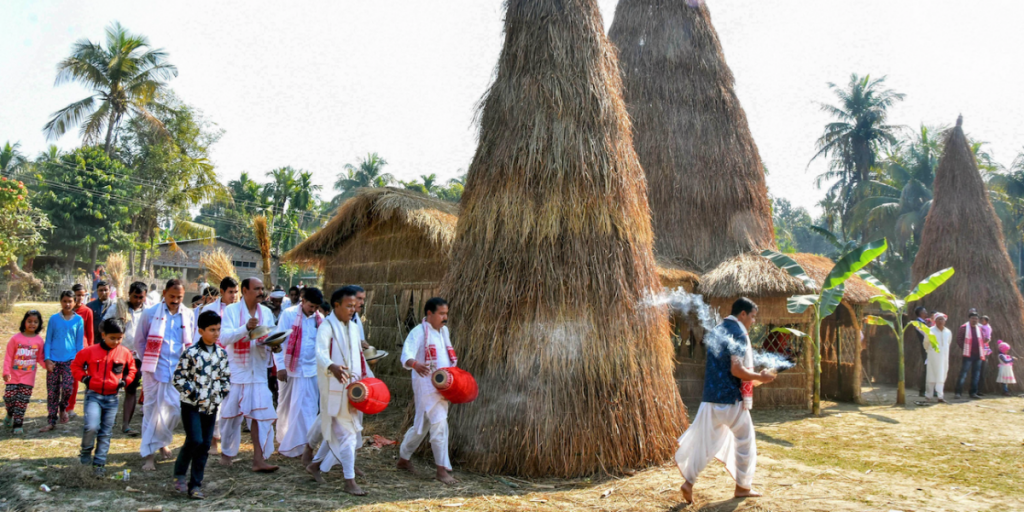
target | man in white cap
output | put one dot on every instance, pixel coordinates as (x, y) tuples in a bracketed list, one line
[(938, 358), (296, 371), (249, 398)]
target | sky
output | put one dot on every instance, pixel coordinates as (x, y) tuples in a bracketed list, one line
[(318, 84)]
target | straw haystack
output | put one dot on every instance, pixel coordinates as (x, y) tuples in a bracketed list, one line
[(707, 190), (962, 231), (262, 231), (395, 244), (218, 266), (551, 261)]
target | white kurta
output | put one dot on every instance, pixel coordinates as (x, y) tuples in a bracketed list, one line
[(431, 407), (341, 424), (298, 403), (719, 431), (161, 414), (249, 398), (938, 361)]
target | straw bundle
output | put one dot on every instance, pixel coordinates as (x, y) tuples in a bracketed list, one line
[(707, 190), (962, 231), (218, 266), (116, 268), (551, 261), (262, 231)]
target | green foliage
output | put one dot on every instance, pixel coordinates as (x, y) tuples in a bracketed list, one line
[(853, 261), (21, 224)]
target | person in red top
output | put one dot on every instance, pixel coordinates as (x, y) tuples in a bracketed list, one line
[(105, 368), (81, 297), (24, 355)]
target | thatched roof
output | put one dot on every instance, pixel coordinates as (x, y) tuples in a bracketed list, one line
[(671, 276), (962, 231), (752, 275), (707, 194), (551, 263), (435, 218)]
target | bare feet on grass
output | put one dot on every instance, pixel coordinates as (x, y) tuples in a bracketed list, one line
[(687, 489), (165, 453), (445, 478), (47, 428), (263, 467), (225, 460), (214, 447), (406, 465), (746, 493), (149, 463), (307, 456), (359, 472), (352, 488), (314, 471)]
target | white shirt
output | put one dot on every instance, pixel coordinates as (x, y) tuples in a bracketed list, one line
[(134, 317), (307, 353), (233, 330)]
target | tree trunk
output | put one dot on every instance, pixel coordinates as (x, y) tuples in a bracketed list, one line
[(94, 250), (131, 260), (816, 333), (901, 388), (70, 263), (110, 132)]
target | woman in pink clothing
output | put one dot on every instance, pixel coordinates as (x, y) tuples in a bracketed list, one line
[(24, 355)]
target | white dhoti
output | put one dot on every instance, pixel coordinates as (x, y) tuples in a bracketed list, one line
[(723, 432), (251, 402), (342, 449), (161, 413), (297, 409), (438, 438)]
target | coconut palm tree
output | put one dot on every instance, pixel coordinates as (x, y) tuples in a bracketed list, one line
[(281, 187), (125, 74), (12, 161), (367, 174)]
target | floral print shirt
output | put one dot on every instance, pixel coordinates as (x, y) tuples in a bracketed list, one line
[(203, 377)]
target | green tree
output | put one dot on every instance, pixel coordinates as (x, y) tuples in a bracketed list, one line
[(368, 173), (21, 224), (1006, 187), (12, 161), (126, 76), (89, 199)]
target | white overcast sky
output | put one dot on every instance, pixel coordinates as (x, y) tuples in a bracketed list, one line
[(317, 84)]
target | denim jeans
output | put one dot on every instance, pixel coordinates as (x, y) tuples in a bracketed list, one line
[(100, 414), (198, 436), (973, 366)]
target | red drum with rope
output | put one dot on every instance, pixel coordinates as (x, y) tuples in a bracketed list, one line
[(369, 395), (455, 385)]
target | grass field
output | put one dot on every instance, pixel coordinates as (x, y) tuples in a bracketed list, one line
[(964, 456)]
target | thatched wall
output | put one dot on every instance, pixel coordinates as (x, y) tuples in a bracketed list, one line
[(962, 231), (552, 261), (707, 188)]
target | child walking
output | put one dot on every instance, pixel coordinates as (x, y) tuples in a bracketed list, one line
[(1005, 376), (105, 368), (64, 340), (24, 354), (203, 378)]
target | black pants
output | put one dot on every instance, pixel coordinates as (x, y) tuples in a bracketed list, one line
[(924, 369), (198, 436), (272, 384)]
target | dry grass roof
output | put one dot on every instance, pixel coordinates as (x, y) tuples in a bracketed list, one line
[(675, 277), (436, 219), (752, 275)]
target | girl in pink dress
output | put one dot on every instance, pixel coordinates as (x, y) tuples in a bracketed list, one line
[(24, 354)]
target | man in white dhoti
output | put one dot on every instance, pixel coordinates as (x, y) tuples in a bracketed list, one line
[(228, 296), (164, 332), (298, 403), (938, 359), (249, 398), (340, 362), (722, 428), (427, 349)]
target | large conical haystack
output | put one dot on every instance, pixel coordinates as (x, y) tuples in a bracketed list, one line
[(707, 194), (551, 262), (963, 232)]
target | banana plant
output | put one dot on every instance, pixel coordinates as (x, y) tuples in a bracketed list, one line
[(896, 306), (824, 303)]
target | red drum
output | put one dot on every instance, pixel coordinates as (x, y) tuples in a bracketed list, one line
[(455, 384), (369, 395)]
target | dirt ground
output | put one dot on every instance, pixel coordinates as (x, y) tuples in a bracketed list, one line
[(964, 456)]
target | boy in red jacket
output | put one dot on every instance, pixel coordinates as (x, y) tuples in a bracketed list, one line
[(104, 368)]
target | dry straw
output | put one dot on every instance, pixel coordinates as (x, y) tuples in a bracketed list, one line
[(962, 231), (551, 262), (262, 231), (218, 266), (707, 189), (117, 269)]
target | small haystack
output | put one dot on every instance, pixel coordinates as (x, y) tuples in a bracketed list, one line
[(117, 270), (962, 231), (706, 183), (262, 232), (218, 266), (552, 260)]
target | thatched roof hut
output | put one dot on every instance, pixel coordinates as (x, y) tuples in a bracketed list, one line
[(962, 231), (707, 189), (396, 244), (551, 262)]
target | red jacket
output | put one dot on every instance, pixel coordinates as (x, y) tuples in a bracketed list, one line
[(86, 315), (104, 368)]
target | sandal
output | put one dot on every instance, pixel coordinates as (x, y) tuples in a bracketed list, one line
[(8, 421), (196, 494), (19, 431)]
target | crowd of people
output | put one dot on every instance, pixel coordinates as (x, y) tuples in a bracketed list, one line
[(276, 364)]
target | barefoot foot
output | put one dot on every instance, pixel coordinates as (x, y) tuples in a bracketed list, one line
[(149, 464), (687, 489), (406, 465), (263, 467), (214, 447), (352, 488), (47, 428), (746, 493), (314, 471), (445, 478), (165, 453), (359, 472), (307, 456), (225, 460)]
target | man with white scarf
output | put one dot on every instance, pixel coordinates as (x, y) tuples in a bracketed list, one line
[(427, 349), (164, 332), (249, 398), (228, 296), (938, 359), (296, 370), (340, 362), (722, 428)]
